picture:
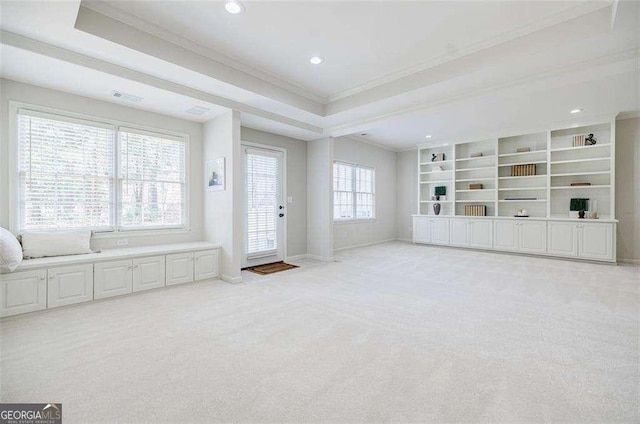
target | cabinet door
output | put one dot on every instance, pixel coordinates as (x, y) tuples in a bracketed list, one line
[(148, 273), (206, 265), (439, 230), (481, 233), (421, 230), (505, 235), (596, 241), (459, 232), (562, 238), (69, 284), (533, 236), (113, 278), (23, 291), (179, 268)]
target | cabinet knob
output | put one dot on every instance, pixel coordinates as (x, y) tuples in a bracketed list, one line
[(136, 266), (51, 277), (42, 277)]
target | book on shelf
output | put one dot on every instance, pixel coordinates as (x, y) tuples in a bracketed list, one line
[(580, 184), (520, 198), (476, 186), (578, 140), (523, 170), (475, 210)]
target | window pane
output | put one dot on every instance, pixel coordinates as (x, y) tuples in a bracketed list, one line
[(152, 190), (66, 174)]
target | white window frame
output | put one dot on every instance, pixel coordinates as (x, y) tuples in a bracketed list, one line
[(354, 192), (14, 178)]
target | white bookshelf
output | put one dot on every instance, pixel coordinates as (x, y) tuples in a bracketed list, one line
[(546, 194)]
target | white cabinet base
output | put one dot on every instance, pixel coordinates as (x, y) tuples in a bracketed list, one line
[(148, 273), (113, 278), (179, 268), (24, 291), (69, 284), (205, 265)]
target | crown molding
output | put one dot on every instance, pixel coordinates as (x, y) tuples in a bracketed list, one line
[(120, 15), (360, 139), (554, 19), (59, 53)]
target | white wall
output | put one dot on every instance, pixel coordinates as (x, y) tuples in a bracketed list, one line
[(11, 90), (222, 209), (296, 185), (628, 188), (354, 233), (319, 199), (407, 201)]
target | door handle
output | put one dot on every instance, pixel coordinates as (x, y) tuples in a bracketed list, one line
[(280, 207), (280, 215)]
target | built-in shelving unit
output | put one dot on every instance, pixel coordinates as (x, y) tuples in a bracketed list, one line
[(549, 156)]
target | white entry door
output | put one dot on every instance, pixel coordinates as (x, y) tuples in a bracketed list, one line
[(264, 206)]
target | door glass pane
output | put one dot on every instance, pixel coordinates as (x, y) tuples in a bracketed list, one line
[(262, 202)]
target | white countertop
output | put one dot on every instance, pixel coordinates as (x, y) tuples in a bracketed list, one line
[(534, 218)]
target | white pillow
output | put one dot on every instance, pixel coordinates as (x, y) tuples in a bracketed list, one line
[(10, 251), (37, 244)]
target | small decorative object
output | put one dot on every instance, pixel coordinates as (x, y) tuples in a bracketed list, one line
[(436, 208), (476, 154), (475, 186), (577, 206), (440, 191), (437, 157), (590, 140), (523, 149), (442, 197), (593, 215), (522, 213), (215, 175), (580, 184), (520, 198)]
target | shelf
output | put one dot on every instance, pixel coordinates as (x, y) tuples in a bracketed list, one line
[(522, 163), (579, 160), (523, 176), (520, 201), (435, 172), (436, 201), (475, 179), (522, 188), (572, 174), (475, 201), (476, 158), (579, 187), (566, 149), (436, 162), (436, 182), (471, 191), (506, 155), (475, 169)]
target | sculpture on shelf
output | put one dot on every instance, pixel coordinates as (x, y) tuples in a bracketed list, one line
[(590, 140), (436, 208), (437, 157)]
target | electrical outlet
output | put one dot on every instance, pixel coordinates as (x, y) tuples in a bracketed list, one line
[(122, 242), (289, 199)]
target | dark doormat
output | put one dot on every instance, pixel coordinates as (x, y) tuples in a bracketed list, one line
[(270, 268)]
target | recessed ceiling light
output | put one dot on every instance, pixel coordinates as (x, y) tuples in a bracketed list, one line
[(427, 136), (576, 111), (316, 60), (234, 7)]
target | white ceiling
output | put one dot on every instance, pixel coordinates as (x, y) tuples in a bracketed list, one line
[(396, 70)]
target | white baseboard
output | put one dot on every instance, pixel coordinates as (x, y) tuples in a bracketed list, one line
[(296, 257), (233, 280), (364, 245), (629, 261), (404, 240), (320, 258)]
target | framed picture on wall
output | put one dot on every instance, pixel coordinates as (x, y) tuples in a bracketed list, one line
[(215, 175)]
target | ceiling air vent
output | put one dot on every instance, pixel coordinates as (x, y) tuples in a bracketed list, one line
[(198, 110), (125, 96)]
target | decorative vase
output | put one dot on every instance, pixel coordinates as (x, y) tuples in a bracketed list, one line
[(581, 214), (436, 208)]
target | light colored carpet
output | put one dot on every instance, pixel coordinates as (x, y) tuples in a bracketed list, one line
[(393, 332)]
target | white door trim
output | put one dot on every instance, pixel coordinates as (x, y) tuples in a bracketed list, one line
[(284, 192)]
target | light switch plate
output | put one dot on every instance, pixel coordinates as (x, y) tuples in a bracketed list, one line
[(289, 199)]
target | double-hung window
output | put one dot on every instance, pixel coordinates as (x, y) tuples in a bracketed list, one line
[(76, 173), (353, 192)]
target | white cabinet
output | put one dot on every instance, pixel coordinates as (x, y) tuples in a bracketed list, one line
[(205, 265), (69, 284), (148, 273), (505, 235), (532, 236), (481, 233), (562, 238), (439, 229), (595, 241), (179, 268), (587, 240), (459, 232), (421, 230), (23, 291), (113, 278)]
